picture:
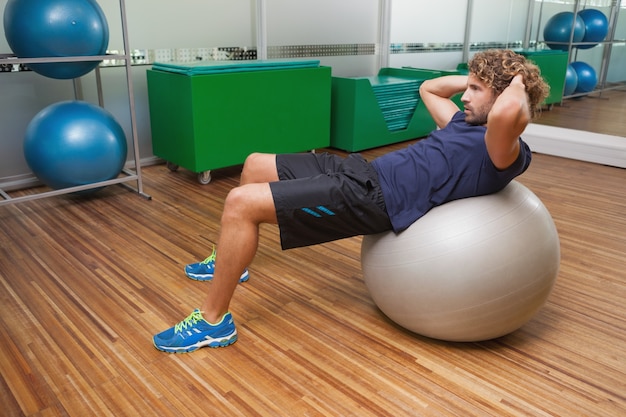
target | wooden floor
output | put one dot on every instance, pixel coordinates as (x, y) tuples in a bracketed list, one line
[(603, 112), (84, 284)]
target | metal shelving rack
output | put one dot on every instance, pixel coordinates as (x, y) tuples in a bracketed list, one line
[(127, 175), (575, 7)]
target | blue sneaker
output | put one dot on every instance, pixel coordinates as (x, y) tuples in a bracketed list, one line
[(195, 332), (203, 271)]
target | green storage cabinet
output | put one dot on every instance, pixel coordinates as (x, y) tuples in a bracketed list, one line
[(553, 66), (208, 121), (358, 121)]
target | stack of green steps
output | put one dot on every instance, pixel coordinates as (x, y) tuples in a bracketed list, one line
[(397, 99), (367, 112)]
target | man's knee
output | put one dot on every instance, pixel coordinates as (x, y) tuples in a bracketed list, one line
[(259, 167), (253, 160), (251, 202)]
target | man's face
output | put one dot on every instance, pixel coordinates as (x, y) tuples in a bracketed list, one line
[(477, 99)]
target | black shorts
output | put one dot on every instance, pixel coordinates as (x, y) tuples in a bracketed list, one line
[(323, 197)]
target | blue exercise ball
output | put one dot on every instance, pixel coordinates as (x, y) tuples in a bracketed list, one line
[(587, 78), (571, 81), (56, 28), (596, 27), (73, 143), (559, 28)]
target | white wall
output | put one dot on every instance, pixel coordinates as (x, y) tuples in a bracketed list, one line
[(307, 22), (444, 25), (327, 22), (503, 21), (190, 23), (442, 22)]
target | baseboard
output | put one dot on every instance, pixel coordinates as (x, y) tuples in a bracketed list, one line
[(577, 144), (145, 162), (19, 182)]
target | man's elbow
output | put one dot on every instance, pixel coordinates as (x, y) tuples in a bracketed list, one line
[(512, 113)]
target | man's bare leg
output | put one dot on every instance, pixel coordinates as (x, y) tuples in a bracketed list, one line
[(245, 208)]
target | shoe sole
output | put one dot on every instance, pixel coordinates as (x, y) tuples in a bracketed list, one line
[(208, 277), (212, 343)]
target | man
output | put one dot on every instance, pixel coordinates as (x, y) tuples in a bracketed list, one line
[(316, 198)]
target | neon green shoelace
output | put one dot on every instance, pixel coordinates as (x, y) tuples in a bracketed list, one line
[(192, 319), (210, 259)]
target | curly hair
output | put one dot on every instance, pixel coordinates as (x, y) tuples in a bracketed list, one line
[(497, 67)]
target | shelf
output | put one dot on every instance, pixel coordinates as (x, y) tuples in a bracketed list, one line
[(144, 57), (130, 176), (126, 175), (15, 60), (576, 6)]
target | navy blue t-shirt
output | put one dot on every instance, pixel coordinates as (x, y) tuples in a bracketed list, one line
[(450, 164)]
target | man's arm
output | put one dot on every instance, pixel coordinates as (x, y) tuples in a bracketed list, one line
[(506, 121), (437, 93)]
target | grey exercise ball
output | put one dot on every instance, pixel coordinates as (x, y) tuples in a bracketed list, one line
[(469, 270)]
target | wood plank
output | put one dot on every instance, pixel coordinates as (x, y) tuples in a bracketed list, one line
[(599, 112)]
